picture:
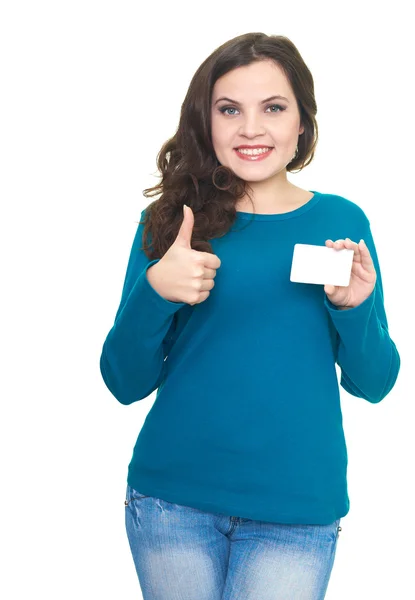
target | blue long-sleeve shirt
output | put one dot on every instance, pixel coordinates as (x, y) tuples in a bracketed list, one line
[(247, 418)]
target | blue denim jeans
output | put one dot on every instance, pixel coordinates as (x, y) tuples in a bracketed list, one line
[(183, 553)]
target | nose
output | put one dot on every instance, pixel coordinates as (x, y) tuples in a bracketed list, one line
[(251, 125)]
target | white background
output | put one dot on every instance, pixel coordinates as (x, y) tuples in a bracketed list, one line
[(89, 92)]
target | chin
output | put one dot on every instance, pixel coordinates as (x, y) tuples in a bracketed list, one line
[(255, 174)]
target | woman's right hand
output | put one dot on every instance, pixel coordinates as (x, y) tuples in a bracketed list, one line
[(183, 274)]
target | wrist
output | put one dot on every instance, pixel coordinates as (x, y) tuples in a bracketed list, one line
[(151, 274)]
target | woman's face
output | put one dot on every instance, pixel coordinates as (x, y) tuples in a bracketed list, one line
[(243, 118)]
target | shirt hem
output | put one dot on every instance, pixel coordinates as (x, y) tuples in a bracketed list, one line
[(223, 509)]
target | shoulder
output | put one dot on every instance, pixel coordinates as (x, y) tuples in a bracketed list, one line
[(345, 208)]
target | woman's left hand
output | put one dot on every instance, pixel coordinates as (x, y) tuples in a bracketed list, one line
[(362, 279)]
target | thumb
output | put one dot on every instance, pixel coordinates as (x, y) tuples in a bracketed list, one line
[(184, 235), (329, 289)]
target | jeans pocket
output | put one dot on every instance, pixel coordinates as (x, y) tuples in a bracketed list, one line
[(131, 494)]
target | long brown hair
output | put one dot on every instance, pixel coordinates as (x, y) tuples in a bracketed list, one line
[(190, 172)]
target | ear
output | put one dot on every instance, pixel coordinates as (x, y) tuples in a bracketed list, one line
[(301, 130)]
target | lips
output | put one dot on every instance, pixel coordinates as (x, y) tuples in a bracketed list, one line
[(253, 157)]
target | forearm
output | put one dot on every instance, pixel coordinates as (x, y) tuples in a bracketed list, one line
[(132, 360), (367, 356)]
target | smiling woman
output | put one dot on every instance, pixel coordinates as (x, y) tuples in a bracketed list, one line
[(238, 478), (252, 92), (257, 133), (266, 133)]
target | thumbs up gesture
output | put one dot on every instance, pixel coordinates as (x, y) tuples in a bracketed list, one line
[(183, 274)]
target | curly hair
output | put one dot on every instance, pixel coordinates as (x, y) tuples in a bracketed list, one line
[(190, 172)]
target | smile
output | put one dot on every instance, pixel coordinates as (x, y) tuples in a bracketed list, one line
[(253, 155)]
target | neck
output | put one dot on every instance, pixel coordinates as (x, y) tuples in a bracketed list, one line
[(268, 198)]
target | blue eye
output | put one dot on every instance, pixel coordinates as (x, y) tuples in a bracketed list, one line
[(223, 109)]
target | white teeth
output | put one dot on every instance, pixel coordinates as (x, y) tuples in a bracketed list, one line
[(253, 152)]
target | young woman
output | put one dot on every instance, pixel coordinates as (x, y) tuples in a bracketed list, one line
[(237, 482)]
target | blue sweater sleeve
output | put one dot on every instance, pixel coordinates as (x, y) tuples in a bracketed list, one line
[(132, 361), (367, 356)]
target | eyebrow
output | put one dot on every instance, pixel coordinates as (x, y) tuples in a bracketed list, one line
[(277, 97)]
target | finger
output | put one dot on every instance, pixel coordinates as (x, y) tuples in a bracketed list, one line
[(365, 258), (351, 245), (209, 273), (338, 244), (330, 243)]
